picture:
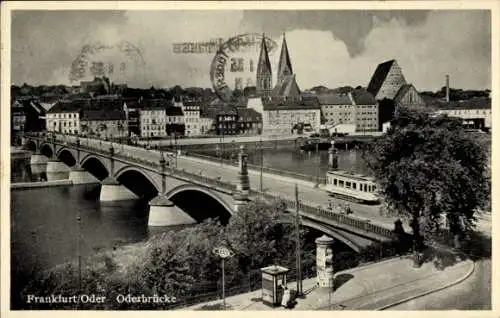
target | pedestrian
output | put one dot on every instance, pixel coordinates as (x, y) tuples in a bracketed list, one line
[(285, 301)]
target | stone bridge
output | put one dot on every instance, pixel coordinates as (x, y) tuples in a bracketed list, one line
[(177, 196)]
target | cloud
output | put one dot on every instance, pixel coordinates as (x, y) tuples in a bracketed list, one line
[(337, 48)]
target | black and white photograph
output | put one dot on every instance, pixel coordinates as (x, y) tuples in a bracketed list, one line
[(229, 156)]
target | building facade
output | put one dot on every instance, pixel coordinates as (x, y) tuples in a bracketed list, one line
[(475, 113), (226, 122), (64, 117), (175, 121), (153, 121), (408, 96), (104, 124), (249, 122), (191, 110), (366, 108), (337, 109)]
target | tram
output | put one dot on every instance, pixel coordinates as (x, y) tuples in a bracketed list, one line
[(350, 186)]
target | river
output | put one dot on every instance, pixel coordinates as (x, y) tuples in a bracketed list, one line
[(45, 230)]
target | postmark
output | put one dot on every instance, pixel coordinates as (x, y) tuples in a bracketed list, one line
[(235, 63)]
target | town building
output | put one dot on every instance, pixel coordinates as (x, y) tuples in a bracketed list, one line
[(249, 122), (207, 121), (366, 108), (337, 108), (64, 117), (391, 90), (27, 115), (153, 120), (226, 121), (475, 113), (104, 124), (191, 110), (175, 121)]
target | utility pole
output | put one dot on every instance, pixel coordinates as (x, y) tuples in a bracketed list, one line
[(297, 242), (261, 163), (317, 162)]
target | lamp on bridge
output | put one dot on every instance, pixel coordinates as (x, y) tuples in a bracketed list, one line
[(332, 157)]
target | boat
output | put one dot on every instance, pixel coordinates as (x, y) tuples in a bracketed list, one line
[(351, 186)]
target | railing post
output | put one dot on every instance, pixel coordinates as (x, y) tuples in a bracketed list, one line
[(112, 160), (163, 177)]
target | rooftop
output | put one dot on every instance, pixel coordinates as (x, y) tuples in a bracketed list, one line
[(334, 99), (379, 76), (103, 115), (363, 97)]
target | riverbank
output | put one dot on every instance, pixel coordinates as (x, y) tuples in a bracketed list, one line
[(44, 184)]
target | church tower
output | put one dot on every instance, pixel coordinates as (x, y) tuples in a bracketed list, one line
[(284, 65), (264, 73)]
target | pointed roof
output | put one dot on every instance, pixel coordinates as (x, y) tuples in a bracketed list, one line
[(287, 88), (285, 63), (264, 66), (379, 77), (402, 92)]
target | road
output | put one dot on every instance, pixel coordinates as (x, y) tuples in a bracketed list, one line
[(473, 293)]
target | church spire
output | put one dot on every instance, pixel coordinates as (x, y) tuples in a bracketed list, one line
[(264, 73), (284, 65)]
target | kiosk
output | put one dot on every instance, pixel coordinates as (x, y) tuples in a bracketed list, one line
[(273, 278)]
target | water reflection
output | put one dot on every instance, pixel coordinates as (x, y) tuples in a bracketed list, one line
[(297, 160)]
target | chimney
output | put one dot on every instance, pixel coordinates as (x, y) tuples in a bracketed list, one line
[(447, 88)]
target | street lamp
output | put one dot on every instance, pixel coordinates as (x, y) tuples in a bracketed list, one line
[(223, 253)]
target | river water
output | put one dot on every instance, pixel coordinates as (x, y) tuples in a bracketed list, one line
[(45, 230)]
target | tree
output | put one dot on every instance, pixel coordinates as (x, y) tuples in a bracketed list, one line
[(427, 167)]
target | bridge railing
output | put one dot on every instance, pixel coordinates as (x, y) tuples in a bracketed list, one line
[(304, 206), (313, 209)]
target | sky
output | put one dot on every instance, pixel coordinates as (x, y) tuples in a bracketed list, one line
[(330, 47)]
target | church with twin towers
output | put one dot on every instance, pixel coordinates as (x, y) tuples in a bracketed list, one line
[(283, 107)]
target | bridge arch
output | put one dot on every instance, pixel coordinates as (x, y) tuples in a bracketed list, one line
[(31, 145), (189, 197), (137, 181), (94, 165), (66, 156), (328, 231), (46, 150)]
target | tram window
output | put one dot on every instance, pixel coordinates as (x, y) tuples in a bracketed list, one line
[(348, 185), (373, 188), (354, 185), (341, 183), (334, 181), (364, 187), (369, 188)]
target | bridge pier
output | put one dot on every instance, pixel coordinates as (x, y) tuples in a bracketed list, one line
[(163, 212), (324, 263), (56, 170), (79, 176), (38, 159), (112, 190)]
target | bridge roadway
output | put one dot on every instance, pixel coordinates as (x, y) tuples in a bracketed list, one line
[(272, 183)]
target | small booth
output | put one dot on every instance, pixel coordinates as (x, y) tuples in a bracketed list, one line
[(273, 278)]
